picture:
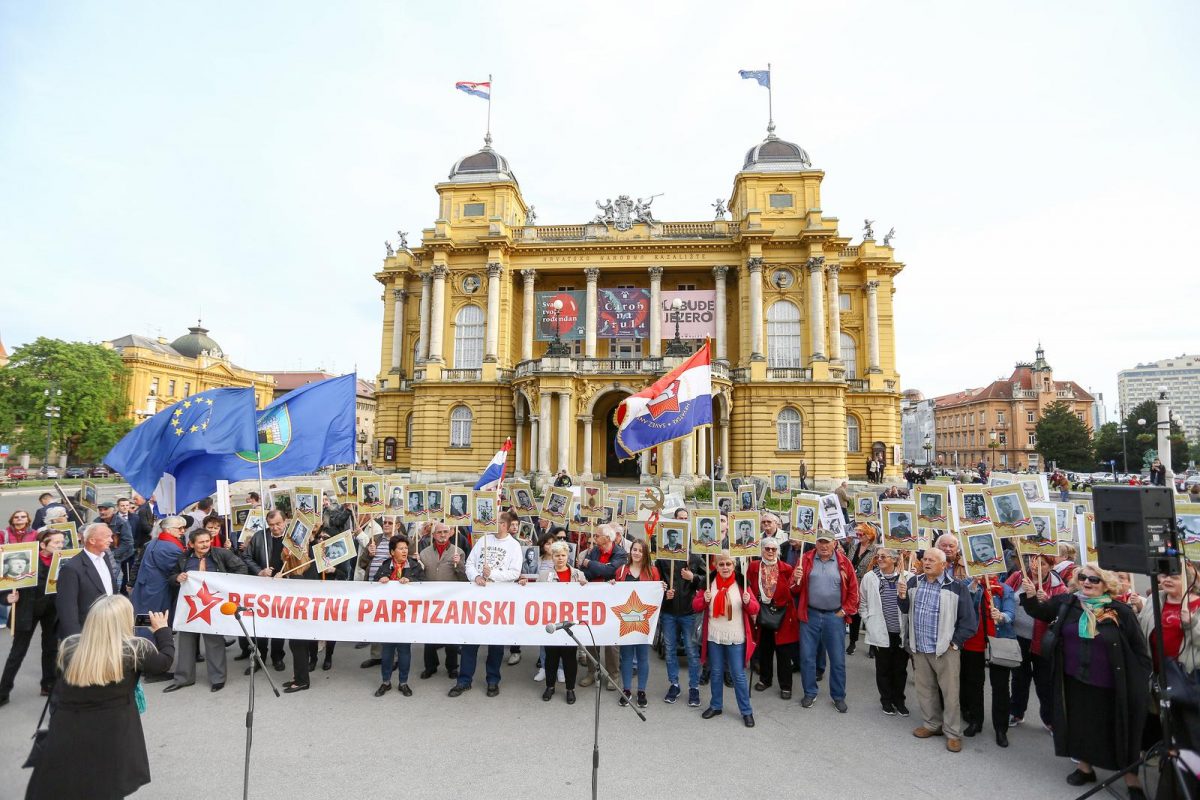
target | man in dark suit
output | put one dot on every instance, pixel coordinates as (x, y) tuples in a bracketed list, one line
[(83, 579)]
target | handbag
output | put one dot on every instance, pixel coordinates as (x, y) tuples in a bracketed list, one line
[(39, 740), (1002, 652), (770, 616)]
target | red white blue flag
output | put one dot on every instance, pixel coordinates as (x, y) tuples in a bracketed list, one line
[(483, 90), (669, 409), (493, 474)]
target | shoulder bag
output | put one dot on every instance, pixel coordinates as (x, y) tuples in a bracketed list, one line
[(770, 616), (1000, 652), (39, 740)]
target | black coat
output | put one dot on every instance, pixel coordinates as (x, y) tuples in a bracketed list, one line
[(219, 560), (34, 604), (78, 587), (412, 570), (95, 747), (681, 604)]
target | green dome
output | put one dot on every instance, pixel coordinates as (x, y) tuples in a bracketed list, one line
[(195, 342)]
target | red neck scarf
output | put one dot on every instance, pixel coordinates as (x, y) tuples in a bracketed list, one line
[(397, 570), (564, 576), (441, 548), (46, 556), (721, 606), (166, 537)]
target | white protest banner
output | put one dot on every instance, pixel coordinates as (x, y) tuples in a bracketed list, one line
[(438, 612)]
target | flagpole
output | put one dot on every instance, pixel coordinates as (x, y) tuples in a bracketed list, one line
[(770, 103), (488, 136)]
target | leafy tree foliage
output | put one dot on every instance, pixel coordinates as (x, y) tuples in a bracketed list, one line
[(1064, 439), (1141, 440)]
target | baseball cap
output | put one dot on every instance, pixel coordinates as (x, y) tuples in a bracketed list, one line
[(107, 504), (824, 536)]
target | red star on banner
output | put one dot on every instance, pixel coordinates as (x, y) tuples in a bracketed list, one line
[(207, 601), (634, 615)]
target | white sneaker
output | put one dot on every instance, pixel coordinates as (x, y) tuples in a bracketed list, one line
[(514, 658), (540, 675), (561, 677)]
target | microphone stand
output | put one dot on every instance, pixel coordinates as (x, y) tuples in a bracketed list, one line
[(255, 661), (601, 676)]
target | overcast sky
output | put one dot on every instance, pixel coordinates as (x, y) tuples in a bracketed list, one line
[(160, 161)]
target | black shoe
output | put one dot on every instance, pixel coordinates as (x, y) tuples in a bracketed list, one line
[(710, 712), (216, 687), (3, 699), (820, 677), (624, 700), (807, 700), (242, 656), (312, 665), (785, 694), (972, 729), (902, 709), (748, 719), (1079, 777), (1135, 793), (452, 673), (278, 665), (248, 669), (761, 687), (175, 687), (546, 695), (383, 689), (457, 689), (426, 674), (889, 709), (728, 680), (850, 649), (493, 689), (840, 705), (291, 687), (570, 697), (641, 700), (327, 664), (404, 690), (1002, 738), (371, 662)]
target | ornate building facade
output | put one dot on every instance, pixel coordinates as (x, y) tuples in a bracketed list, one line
[(475, 350)]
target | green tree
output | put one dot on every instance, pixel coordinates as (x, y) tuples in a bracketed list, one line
[(1107, 445), (93, 403), (1063, 439), (1141, 439)]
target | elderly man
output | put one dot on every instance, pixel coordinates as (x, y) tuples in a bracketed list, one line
[(600, 564), (122, 547), (940, 619), (202, 557), (84, 579), (828, 596), (154, 590), (442, 560), (264, 557), (948, 544)]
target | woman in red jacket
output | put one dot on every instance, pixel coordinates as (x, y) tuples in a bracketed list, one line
[(728, 635), (771, 581)]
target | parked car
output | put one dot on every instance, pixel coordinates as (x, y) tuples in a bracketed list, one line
[(75, 472), (48, 472), (98, 471), (17, 473)]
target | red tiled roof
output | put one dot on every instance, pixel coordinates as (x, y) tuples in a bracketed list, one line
[(287, 381)]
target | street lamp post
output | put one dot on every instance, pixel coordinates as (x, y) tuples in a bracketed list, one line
[(676, 347), (1164, 435), (1124, 429), (993, 443), (928, 447), (558, 347), (53, 397)]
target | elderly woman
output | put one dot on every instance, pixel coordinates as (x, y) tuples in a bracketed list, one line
[(560, 659), (19, 529), (33, 607), (1100, 667), (995, 606), (880, 613), (862, 556), (771, 580), (727, 635), (397, 656)]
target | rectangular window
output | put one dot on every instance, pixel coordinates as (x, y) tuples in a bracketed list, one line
[(1003, 438), (187, 390), (566, 289), (1004, 461), (844, 302), (170, 388), (154, 386), (1029, 416), (999, 417), (1032, 439), (472, 209), (781, 201), (687, 287)]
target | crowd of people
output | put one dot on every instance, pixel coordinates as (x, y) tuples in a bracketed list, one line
[(1078, 635)]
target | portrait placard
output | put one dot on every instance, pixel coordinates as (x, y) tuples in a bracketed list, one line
[(781, 483), (1187, 523), (304, 503), (254, 522), (18, 566), (747, 497), (898, 518), (971, 508), (525, 532), (981, 551), (70, 534), (1082, 501), (830, 516), (1041, 541), (484, 517), (238, 514), (1008, 510), (435, 503), (458, 507), (89, 496), (744, 534), (1035, 488), (1064, 522), (393, 492), (414, 504), (295, 537), (865, 509), (330, 552), (345, 485), (370, 494), (522, 497), (529, 561), (672, 538), (706, 532), (56, 561), (804, 520), (592, 498), (724, 502), (556, 503), (933, 506), (1088, 554)]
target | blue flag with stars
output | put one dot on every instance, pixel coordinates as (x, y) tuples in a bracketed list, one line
[(216, 421), (762, 76)]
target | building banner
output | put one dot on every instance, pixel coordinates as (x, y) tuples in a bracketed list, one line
[(570, 319), (697, 318), (622, 314), (433, 612)]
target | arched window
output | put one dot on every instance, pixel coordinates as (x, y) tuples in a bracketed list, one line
[(408, 422), (850, 356), (783, 335), (788, 429), (468, 338), (460, 427), (853, 438)]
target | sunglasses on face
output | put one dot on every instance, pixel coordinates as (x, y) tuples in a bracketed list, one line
[(1092, 579), (770, 549)]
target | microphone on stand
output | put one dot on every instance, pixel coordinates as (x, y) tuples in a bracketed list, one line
[(231, 609), (559, 626)]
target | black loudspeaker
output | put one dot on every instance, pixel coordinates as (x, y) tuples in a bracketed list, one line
[(1135, 529)]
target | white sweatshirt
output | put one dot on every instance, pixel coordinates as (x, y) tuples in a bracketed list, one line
[(503, 555)]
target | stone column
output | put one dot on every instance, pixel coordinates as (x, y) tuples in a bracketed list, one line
[(725, 447), (586, 444), (873, 327), (437, 313), (589, 330), (835, 314), (565, 423), (656, 312), (644, 465), (687, 456), (544, 432), (492, 337), (816, 306), (666, 460), (519, 464), (702, 463), (534, 444), (754, 269), (423, 353), (398, 298), (530, 316), (719, 276)]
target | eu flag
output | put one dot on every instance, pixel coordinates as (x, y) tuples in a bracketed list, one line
[(212, 422), (301, 432)]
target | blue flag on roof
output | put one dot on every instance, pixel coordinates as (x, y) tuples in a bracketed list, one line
[(208, 424), (306, 429), (763, 76)]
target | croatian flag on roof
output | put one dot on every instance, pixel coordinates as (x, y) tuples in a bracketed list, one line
[(670, 408), (483, 90)]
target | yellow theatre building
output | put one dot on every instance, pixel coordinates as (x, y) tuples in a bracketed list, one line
[(476, 348)]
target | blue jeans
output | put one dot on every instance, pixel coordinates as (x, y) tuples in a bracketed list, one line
[(675, 628), (630, 652), (470, 656), (829, 630), (396, 653), (732, 657)]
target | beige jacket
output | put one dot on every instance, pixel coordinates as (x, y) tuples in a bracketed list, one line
[(442, 568)]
